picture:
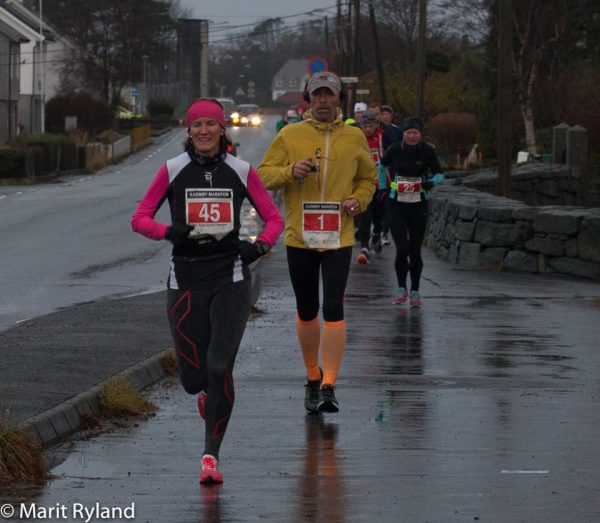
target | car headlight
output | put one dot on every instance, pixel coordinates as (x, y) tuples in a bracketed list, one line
[(235, 116), (256, 120), (244, 119)]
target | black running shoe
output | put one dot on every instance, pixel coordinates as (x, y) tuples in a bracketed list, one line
[(328, 402), (312, 395)]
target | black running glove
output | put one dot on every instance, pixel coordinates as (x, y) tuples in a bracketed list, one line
[(178, 232), (250, 252)]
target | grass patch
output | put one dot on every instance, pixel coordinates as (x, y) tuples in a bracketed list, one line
[(169, 363), (89, 421), (21, 458), (119, 397)]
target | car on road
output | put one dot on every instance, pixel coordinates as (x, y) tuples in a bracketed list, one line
[(247, 115), (228, 108), (125, 114), (292, 116)]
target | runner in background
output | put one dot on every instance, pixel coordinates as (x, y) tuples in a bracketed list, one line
[(375, 108), (410, 163), (373, 214), (392, 133), (359, 109), (328, 177), (209, 282)]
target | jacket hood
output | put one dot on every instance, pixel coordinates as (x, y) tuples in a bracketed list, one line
[(322, 126)]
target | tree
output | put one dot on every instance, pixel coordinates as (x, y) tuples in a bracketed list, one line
[(111, 36), (256, 56), (544, 34)]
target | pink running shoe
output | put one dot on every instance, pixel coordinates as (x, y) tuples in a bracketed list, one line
[(415, 299), (402, 298), (363, 257), (210, 472), (202, 403)]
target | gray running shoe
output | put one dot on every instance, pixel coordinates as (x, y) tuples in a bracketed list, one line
[(312, 395), (375, 244), (328, 403)]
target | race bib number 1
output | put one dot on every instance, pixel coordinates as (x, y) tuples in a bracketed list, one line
[(210, 211), (321, 224)]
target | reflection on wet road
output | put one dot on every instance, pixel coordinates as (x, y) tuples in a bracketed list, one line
[(483, 405)]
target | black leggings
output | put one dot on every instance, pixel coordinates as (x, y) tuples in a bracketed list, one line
[(374, 214), (207, 327), (304, 265), (407, 225)]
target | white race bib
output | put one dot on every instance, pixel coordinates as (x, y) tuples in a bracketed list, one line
[(321, 224), (408, 190), (210, 211)]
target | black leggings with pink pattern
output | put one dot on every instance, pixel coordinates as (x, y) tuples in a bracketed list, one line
[(207, 327)]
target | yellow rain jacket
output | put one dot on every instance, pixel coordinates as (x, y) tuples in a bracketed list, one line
[(346, 170)]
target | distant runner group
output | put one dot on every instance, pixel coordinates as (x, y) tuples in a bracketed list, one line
[(342, 180)]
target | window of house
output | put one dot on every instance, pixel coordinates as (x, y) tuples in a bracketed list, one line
[(293, 83), (278, 83)]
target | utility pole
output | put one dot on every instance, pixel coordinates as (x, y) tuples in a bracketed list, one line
[(42, 83), (421, 59), (145, 97), (327, 48), (504, 95), (347, 40), (338, 38), (355, 70), (378, 62)]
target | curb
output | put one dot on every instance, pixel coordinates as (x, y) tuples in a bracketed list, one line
[(53, 425), (57, 423)]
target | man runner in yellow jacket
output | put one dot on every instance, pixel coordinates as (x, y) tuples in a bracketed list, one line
[(328, 177)]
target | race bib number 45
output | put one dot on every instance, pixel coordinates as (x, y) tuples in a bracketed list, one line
[(321, 224), (210, 211)]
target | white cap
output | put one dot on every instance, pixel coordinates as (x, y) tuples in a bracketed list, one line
[(324, 79)]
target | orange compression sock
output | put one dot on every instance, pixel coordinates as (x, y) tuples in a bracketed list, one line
[(333, 344), (309, 336)]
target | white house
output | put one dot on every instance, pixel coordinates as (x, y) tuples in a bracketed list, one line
[(41, 60), (288, 83), (13, 35)]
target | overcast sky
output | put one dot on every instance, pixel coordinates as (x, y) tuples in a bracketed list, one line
[(231, 13)]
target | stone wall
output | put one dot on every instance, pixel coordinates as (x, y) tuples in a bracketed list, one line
[(540, 184), (479, 230)]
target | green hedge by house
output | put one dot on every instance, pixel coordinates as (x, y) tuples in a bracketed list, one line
[(12, 163)]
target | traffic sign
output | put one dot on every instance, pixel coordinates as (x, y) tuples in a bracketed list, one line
[(349, 79), (362, 91), (136, 93), (317, 64)]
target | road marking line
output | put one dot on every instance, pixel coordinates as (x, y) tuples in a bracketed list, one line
[(524, 472)]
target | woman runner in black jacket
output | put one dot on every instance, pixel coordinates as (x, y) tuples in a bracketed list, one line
[(410, 163)]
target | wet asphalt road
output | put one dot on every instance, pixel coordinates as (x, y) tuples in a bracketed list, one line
[(481, 406)]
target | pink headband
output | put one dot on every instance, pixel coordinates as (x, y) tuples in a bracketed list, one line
[(207, 109)]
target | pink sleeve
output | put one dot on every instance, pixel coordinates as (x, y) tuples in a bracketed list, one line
[(264, 204), (143, 221)]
